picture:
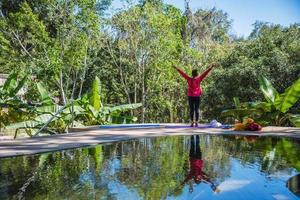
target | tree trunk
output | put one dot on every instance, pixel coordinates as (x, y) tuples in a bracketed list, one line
[(61, 88), (74, 84), (143, 94), (83, 75), (171, 114)]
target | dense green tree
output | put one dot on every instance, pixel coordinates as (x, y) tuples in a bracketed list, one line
[(52, 39), (67, 43), (271, 53)]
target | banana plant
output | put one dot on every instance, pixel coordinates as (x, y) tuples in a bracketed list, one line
[(52, 118), (274, 110), (12, 107), (11, 87), (48, 116), (95, 113)]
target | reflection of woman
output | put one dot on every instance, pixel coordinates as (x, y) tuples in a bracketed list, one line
[(196, 172)]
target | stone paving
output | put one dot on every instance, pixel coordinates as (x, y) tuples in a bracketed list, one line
[(88, 136)]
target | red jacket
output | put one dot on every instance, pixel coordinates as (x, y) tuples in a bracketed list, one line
[(194, 89), (196, 166)]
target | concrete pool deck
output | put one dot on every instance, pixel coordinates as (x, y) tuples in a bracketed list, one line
[(82, 137)]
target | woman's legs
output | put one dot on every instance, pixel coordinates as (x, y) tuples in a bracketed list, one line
[(197, 106), (194, 104), (195, 150)]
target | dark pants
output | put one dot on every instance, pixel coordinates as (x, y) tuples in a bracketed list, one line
[(195, 151), (194, 103)]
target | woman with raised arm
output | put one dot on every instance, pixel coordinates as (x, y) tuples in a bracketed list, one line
[(194, 90)]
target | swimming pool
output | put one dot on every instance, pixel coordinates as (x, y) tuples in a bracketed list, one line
[(178, 167)]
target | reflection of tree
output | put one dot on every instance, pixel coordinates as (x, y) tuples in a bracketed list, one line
[(216, 157), (50, 175), (151, 167), (272, 153), (155, 166), (294, 184)]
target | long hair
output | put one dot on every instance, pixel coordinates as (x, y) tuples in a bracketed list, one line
[(194, 73)]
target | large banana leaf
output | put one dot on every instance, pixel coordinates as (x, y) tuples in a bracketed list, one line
[(240, 112), (25, 124), (289, 97), (295, 120), (93, 111), (265, 106), (76, 110), (45, 96), (123, 108), (10, 83), (268, 90), (38, 121), (237, 102), (19, 86), (51, 109), (116, 119), (43, 118), (94, 94), (267, 118)]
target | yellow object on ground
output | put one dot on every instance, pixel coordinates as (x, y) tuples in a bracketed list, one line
[(239, 127), (248, 121)]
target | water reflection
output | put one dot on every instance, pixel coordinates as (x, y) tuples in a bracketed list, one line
[(294, 184), (181, 167), (195, 173)]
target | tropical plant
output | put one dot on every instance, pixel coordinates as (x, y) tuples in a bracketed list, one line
[(12, 107), (49, 117), (95, 113), (132, 49), (273, 111)]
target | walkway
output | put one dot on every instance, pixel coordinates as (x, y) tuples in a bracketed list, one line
[(93, 135)]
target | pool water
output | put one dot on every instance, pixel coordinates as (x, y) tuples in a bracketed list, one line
[(179, 167)]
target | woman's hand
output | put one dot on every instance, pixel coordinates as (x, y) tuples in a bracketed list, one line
[(212, 65), (174, 66)]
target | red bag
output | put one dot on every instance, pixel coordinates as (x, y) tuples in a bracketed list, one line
[(253, 127)]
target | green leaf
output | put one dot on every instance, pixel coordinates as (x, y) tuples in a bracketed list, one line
[(237, 102), (265, 106), (240, 112), (76, 109), (295, 120), (38, 121), (19, 86), (289, 97), (43, 118), (45, 96), (10, 83), (94, 94), (48, 109), (116, 119), (25, 124), (125, 107), (268, 90), (93, 111)]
